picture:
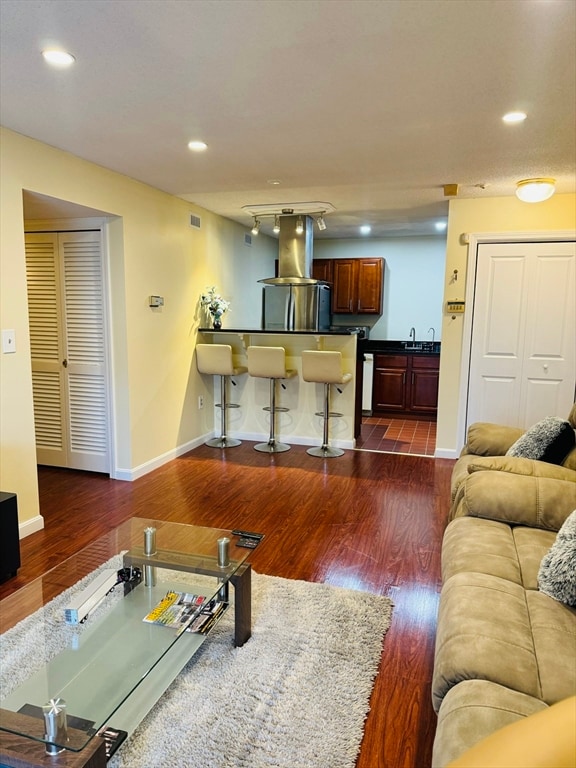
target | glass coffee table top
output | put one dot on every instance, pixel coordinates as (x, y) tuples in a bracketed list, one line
[(145, 604)]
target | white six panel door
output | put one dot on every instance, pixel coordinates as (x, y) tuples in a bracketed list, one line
[(523, 354)]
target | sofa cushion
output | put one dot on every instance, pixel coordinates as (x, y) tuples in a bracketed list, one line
[(557, 574), (485, 439), (554, 636), (519, 466), (551, 439), (492, 629), (541, 502), (474, 709), (497, 549), (484, 632)]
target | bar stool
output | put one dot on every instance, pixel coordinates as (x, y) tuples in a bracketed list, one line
[(324, 368), (216, 360), (270, 363)]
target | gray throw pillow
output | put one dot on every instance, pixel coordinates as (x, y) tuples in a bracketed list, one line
[(549, 440), (557, 574)]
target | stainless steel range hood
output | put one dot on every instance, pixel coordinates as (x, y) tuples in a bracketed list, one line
[(294, 253)]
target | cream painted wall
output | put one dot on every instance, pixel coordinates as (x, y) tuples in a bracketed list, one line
[(153, 250), (413, 283), (493, 215)]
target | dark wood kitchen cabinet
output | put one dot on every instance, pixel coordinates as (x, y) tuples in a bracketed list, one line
[(406, 385), (322, 269), (358, 286)]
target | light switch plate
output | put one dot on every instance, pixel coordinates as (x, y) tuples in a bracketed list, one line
[(8, 341)]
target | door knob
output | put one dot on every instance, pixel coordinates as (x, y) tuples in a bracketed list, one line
[(65, 363)]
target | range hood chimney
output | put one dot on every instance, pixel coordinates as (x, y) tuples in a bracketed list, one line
[(295, 252)]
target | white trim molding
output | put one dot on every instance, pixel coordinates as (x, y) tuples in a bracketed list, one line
[(28, 527)]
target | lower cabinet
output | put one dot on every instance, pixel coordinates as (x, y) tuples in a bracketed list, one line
[(406, 384)]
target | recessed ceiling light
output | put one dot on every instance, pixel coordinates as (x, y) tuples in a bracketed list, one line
[(274, 182), (365, 229), (58, 58), (197, 146), (441, 226), (514, 117)]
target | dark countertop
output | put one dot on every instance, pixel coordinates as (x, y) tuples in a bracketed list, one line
[(386, 346), (343, 332)]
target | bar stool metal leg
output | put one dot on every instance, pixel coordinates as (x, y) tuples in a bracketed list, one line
[(272, 446), (223, 441), (326, 451)]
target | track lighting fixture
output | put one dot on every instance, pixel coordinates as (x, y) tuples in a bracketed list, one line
[(321, 223), (256, 227), (299, 225), (276, 229)]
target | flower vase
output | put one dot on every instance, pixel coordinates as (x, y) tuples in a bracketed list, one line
[(217, 322)]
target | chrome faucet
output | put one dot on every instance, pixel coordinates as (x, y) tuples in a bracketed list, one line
[(413, 335), (433, 333)]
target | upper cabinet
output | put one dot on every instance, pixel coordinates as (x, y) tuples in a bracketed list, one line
[(322, 269), (357, 286)]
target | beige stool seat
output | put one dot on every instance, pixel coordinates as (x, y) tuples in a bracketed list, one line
[(270, 363), (216, 360), (324, 368)]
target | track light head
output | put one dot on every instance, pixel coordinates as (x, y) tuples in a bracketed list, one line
[(299, 226), (256, 227), (321, 223)]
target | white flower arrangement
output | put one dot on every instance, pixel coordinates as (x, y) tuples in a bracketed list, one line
[(214, 303)]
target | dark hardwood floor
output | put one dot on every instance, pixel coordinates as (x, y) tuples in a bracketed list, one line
[(367, 521)]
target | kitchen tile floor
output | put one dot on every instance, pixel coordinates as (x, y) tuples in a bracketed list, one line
[(382, 433)]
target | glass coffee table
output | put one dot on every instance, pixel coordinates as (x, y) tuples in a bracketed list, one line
[(144, 598)]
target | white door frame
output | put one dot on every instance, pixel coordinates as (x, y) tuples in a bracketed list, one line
[(78, 225), (474, 241)]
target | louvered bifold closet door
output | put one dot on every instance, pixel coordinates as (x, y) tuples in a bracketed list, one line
[(66, 299), (47, 348), (81, 265)]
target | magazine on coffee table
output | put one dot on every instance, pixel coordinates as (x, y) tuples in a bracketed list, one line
[(177, 609)]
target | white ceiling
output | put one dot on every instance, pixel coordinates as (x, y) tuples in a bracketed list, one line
[(370, 105)]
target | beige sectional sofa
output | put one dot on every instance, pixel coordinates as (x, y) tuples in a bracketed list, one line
[(504, 649)]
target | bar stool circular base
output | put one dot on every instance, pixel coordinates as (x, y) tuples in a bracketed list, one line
[(325, 452), (332, 414), (223, 442), (272, 447)]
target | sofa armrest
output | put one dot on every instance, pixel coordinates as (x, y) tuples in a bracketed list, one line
[(539, 502), (546, 739), (485, 439)]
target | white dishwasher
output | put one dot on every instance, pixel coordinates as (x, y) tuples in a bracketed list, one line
[(368, 377)]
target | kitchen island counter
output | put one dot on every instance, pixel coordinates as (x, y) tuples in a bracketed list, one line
[(258, 331), (301, 424)]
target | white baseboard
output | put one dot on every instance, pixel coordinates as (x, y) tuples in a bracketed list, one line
[(143, 469), (30, 526), (446, 453)]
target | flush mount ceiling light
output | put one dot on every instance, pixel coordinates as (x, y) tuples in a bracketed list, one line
[(535, 190), (514, 117), (256, 226), (58, 58), (197, 146)]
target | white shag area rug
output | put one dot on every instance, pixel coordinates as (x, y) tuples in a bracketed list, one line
[(296, 695)]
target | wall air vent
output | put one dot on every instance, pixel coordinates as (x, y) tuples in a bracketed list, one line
[(247, 239), (195, 221)]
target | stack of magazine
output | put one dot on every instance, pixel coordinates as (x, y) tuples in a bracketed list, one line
[(186, 611)]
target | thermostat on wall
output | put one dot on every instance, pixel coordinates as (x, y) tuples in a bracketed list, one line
[(455, 307)]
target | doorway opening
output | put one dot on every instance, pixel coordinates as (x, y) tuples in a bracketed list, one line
[(389, 434)]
